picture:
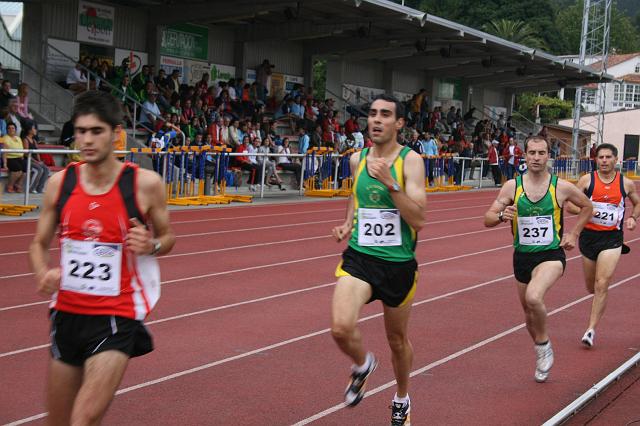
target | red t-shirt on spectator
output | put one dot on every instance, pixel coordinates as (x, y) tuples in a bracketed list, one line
[(351, 126)]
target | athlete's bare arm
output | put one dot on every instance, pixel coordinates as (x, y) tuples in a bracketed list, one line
[(582, 185), (632, 194), (566, 191), (47, 279), (504, 204), (151, 197), (413, 200), (342, 231)]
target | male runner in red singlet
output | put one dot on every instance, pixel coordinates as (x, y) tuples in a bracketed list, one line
[(108, 279), (601, 241)]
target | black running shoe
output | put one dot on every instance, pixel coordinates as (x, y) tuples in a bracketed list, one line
[(400, 414), (356, 388)]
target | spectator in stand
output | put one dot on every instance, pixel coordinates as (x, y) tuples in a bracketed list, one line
[(244, 163), (5, 94), (263, 74), (204, 82), (271, 174), (351, 125), (187, 112), (141, 79), (13, 161), (316, 138), (126, 95), (285, 162), (511, 155), (103, 75), (225, 138), (234, 133), (252, 150), (451, 116), (76, 79), (4, 112), (150, 112), (121, 143), (173, 83), (13, 116), (298, 110), (23, 102), (501, 123), (414, 142), (494, 163), (215, 130), (303, 141), (161, 79), (165, 137)]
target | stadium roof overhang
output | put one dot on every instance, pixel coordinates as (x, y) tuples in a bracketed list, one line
[(381, 30)]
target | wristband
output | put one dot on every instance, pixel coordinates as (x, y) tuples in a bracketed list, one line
[(500, 216), (157, 245)]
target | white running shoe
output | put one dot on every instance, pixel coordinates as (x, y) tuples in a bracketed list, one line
[(588, 337), (544, 361)]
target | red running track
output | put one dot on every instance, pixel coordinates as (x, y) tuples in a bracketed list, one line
[(242, 337)]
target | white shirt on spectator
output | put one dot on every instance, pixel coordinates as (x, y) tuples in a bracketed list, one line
[(357, 136), (75, 76), (252, 150), (284, 159), (152, 107), (232, 93)]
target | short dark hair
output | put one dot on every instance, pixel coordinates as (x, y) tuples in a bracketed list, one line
[(537, 138), (389, 98), (608, 146), (11, 123), (103, 104)]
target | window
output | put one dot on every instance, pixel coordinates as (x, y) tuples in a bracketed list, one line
[(626, 95), (638, 68), (589, 96)]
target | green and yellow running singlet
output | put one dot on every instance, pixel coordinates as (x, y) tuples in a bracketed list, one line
[(378, 228), (537, 226)]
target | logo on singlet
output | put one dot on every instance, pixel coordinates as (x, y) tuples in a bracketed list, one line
[(93, 205), (91, 229)]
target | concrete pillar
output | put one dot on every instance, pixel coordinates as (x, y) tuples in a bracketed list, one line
[(335, 80), (240, 59), (387, 78), (307, 69)]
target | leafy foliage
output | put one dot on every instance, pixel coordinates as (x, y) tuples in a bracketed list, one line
[(516, 31), (551, 109)]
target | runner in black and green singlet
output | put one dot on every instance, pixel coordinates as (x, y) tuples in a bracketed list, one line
[(385, 213), (533, 203)]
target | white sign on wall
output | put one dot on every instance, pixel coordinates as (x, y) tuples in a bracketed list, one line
[(193, 71), (250, 76), (58, 65), (222, 73), (136, 59), (169, 63), (359, 95), (95, 23)]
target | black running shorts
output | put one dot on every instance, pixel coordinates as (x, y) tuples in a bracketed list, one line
[(525, 263), (591, 242), (75, 338), (393, 283)]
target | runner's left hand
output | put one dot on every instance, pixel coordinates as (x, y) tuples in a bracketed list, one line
[(631, 224), (138, 238), (379, 169), (568, 241)]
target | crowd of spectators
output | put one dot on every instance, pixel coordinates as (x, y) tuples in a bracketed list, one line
[(18, 130)]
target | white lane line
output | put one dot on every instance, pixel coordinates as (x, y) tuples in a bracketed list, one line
[(14, 253), (455, 355), (7, 308), (247, 302), (326, 330), (265, 227)]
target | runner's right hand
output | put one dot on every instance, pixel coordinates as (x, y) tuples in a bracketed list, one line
[(339, 232), (509, 213), (49, 282)]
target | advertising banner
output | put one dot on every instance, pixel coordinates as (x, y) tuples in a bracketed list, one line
[(95, 23), (185, 41), (58, 65), (169, 64)]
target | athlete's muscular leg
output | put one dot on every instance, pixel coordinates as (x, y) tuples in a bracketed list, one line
[(589, 269), (605, 267), (531, 295), (349, 296), (62, 387), (396, 321), (102, 375)]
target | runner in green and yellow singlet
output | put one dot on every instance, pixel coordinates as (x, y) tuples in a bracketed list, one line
[(533, 204), (384, 215)]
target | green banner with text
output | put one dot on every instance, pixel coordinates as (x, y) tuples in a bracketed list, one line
[(185, 41)]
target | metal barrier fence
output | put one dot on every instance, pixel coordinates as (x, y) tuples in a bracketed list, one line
[(204, 172)]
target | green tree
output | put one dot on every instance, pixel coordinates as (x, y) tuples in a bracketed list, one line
[(515, 31), (551, 109), (624, 38), (319, 78)]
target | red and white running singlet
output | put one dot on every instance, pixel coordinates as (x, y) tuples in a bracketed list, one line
[(99, 276), (608, 203)]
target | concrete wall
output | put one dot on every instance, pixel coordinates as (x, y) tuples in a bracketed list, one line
[(285, 55), (367, 74), (409, 81), (616, 125)]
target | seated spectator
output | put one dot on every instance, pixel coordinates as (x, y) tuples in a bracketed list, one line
[(160, 79), (187, 112), (245, 163), (285, 162), (127, 96), (203, 84), (303, 141), (13, 161), (358, 140), (141, 79), (234, 135), (76, 79), (351, 125), (5, 94), (271, 174), (150, 113), (415, 143), (13, 116), (103, 76)]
